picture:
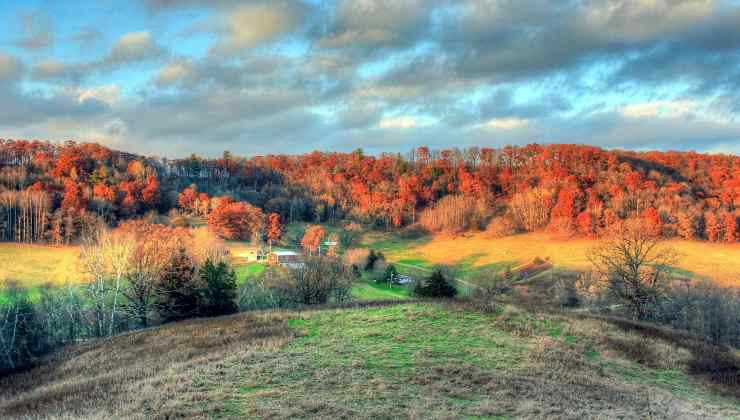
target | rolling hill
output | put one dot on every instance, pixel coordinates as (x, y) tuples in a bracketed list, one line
[(382, 360)]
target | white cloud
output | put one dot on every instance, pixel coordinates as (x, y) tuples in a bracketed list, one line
[(133, 46), (250, 25), (109, 94), (174, 73), (402, 121), (508, 123), (659, 108), (10, 67)]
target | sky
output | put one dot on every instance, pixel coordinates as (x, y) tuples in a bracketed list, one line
[(174, 77)]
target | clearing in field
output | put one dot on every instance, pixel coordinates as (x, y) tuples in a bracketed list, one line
[(472, 251)]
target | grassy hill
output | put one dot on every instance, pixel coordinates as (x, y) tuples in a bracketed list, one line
[(413, 360)]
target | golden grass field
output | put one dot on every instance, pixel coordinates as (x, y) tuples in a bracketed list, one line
[(33, 265), (720, 262)]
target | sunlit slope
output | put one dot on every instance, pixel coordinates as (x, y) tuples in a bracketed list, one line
[(717, 261)]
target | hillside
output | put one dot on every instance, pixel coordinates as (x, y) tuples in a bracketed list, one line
[(475, 251), (53, 192), (414, 360)]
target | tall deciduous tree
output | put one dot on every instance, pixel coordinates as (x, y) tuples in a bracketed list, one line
[(236, 220), (311, 241), (274, 228), (635, 266)]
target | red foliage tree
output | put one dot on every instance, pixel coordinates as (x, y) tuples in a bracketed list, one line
[(150, 193), (312, 238), (274, 228), (585, 223), (712, 226), (731, 231), (651, 221), (187, 198), (236, 220), (687, 225), (73, 198)]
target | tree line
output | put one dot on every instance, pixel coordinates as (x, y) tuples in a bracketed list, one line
[(52, 191)]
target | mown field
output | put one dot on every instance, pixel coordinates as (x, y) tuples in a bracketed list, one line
[(474, 251), (415, 360), (33, 265)]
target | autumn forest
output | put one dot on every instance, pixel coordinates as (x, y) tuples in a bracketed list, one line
[(51, 192)]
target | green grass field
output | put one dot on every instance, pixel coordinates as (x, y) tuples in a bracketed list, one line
[(433, 361), (412, 360), (247, 271)]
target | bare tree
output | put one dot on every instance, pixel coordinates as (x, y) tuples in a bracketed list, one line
[(635, 267), (147, 264), (106, 256)]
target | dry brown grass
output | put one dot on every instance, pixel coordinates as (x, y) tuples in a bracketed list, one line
[(142, 374), (374, 361)]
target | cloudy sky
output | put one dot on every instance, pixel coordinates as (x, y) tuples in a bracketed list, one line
[(170, 77)]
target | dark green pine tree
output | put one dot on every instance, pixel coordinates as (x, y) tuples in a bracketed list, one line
[(436, 286), (220, 289), (178, 294)]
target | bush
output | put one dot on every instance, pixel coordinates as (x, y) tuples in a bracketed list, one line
[(259, 293), (490, 286), (415, 231), (220, 289), (391, 274), (372, 258), (350, 235), (500, 227), (437, 286), (319, 280)]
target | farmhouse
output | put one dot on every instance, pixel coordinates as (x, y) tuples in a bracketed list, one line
[(284, 258), (250, 255)]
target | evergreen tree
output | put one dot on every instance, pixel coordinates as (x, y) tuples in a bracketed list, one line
[(178, 294), (437, 285), (391, 274), (220, 289)]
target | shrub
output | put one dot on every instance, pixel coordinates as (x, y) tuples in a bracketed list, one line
[(319, 280), (415, 231), (390, 274), (258, 293), (220, 289), (372, 258), (356, 257), (350, 235), (490, 286), (500, 227), (437, 286)]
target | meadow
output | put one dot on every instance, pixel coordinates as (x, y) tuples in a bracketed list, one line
[(33, 265), (474, 251), (379, 361)]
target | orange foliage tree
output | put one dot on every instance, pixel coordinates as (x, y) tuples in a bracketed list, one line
[(274, 228), (312, 238), (236, 220)]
